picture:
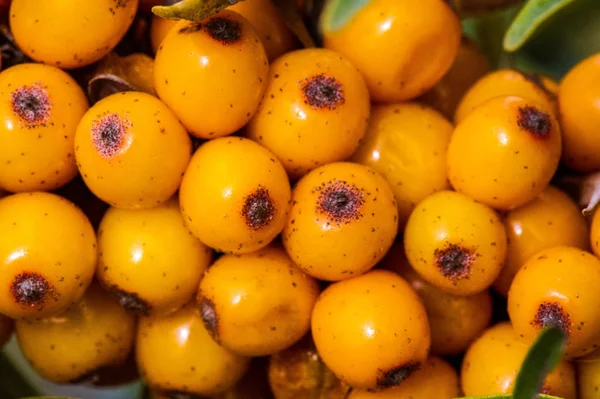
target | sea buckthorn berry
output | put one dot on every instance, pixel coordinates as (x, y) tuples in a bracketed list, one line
[(407, 144), (579, 105), (131, 150), (212, 73), (156, 244), (435, 379), (94, 333), (43, 273), (550, 220), (270, 27), (314, 112), (491, 364), (505, 152), (344, 206), (6, 329), (235, 195), (159, 28), (70, 34), (299, 372), (402, 47), (588, 375), (455, 320), (257, 304), (469, 66), (177, 356), (558, 287), (501, 83), (41, 107), (455, 243), (372, 330)]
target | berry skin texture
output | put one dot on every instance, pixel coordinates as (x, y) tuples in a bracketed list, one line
[(159, 28), (579, 105), (588, 375), (552, 219), (94, 333), (344, 206), (131, 150), (148, 258), (506, 82), (176, 355), (558, 286), (41, 107), (407, 144), (402, 47), (43, 273), (257, 304), (455, 321), (455, 243), (235, 195), (70, 34), (212, 74), (372, 330), (314, 112), (491, 364), (505, 152), (435, 379), (6, 329)]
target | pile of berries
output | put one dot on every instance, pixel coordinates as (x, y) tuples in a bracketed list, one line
[(342, 222)]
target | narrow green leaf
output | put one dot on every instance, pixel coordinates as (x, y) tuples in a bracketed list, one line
[(193, 10), (529, 19), (337, 13), (292, 15)]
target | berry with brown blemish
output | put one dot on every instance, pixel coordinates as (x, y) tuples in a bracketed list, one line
[(454, 261), (109, 135), (131, 301), (224, 30), (209, 317), (32, 104), (340, 202), (322, 92), (534, 121), (258, 209), (31, 289), (396, 375), (552, 314)]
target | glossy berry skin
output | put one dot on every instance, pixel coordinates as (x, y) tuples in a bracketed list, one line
[(491, 364), (455, 243), (44, 272), (342, 222), (588, 375), (314, 112), (501, 83), (176, 354), (552, 219), (41, 107), (435, 379), (159, 28), (579, 105), (70, 34), (270, 27), (372, 330), (212, 74), (235, 195), (407, 143), (505, 152), (131, 150), (7, 326), (257, 304), (455, 320), (149, 259), (94, 333)]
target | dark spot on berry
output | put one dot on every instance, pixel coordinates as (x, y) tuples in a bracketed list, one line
[(395, 376), (109, 134), (32, 104), (534, 121), (224, 30), (131, 301), (340, 201), (31, 289), (454, 261), (258, 209), (210, 317), (322, 92), (552, 314)]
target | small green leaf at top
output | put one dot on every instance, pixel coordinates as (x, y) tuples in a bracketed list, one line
[(193, 10), (337, 13)]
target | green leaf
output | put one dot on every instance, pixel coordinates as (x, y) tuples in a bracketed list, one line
[(193, 10), (337, 13), (528, 21), (292, 15)]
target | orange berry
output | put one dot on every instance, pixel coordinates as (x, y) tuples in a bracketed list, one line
[(455, 243), (402, 47), (407, 144), (342, 222), (212, 73), (550, 220), (505, 152), (314, 112), (235, 195), (558, 287), (41, 107), (588, 375), (372, 330), (159, 28), (49, 252), (131, 150), (70, 34)]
